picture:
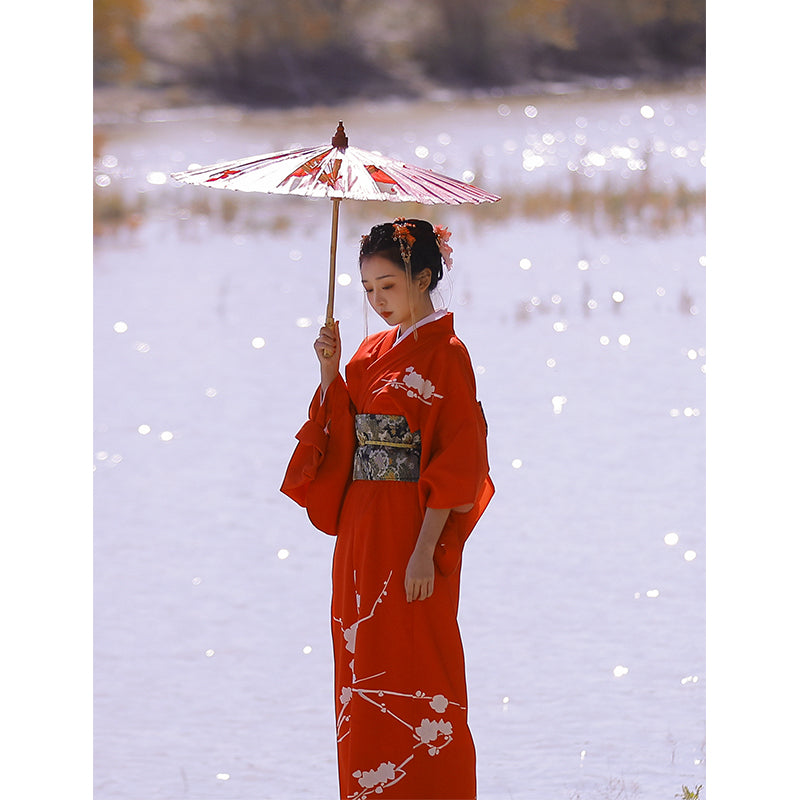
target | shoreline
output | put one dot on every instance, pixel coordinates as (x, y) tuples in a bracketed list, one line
[(122, 104)]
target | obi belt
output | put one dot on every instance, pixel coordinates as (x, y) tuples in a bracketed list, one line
[(386, 450)]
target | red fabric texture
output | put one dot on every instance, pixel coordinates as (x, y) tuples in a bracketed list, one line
[(400, 695)]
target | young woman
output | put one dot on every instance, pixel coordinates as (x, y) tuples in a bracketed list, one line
[(393, 462)]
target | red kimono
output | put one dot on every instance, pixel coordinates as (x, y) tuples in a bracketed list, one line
[(402, 434)]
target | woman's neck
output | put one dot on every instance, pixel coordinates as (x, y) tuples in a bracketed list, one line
[(424, 309)]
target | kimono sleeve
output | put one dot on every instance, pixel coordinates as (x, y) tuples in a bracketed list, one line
[(455, 469), (321, 466)]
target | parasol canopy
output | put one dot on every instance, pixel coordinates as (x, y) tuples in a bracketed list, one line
[(339, 172)]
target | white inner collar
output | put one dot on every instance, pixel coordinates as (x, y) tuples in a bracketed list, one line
[(430, 318)]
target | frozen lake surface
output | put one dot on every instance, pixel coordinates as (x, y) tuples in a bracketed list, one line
[(583, 586)]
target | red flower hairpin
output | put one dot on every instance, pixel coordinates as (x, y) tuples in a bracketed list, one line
[(442, 238)]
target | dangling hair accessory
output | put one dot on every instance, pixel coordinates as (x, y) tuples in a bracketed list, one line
[(405, 239), (442, 238)]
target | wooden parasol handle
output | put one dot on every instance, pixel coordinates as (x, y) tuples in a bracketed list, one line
[(329, 321)]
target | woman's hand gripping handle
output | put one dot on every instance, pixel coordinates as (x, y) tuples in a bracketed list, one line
[(328, 348)]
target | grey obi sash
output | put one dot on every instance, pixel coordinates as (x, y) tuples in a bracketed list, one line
[(386, 450)]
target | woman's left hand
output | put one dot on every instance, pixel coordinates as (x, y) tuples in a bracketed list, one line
[(420, 574)]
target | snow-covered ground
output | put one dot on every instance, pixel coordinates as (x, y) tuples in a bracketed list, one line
[(583, 586)]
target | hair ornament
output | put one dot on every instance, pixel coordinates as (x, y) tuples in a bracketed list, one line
[(442, 238), (404, 238)]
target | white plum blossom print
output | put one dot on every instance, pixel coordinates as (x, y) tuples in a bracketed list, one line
[(370, 692), (369, 779), (425, 389), (349, 633), (350, 637), (429, 730), (439, 703), (414, 385)]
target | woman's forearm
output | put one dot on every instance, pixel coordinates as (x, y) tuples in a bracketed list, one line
[(432, 525), (420, 574)]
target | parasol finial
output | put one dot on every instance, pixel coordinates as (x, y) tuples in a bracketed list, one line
[(340, 138)]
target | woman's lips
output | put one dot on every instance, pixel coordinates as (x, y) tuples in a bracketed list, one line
[(386, 314)]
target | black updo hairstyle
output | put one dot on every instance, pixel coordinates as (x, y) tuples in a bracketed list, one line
[(425, 253)]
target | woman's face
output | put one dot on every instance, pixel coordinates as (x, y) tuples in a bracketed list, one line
[(387, 290)]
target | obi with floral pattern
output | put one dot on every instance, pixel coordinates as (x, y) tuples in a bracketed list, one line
[(386, 449)]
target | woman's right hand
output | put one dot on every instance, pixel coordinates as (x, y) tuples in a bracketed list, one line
[(328, 348)]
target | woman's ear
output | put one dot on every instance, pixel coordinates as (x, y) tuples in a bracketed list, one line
[(424, 279)]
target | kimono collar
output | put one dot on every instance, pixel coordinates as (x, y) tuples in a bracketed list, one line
[(442, 312)]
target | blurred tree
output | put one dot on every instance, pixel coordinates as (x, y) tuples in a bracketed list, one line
[(290, 52), (460, 45), (474, 42), (544, 21), (274, 51), (117, 54), (533, 29), (633, 37)]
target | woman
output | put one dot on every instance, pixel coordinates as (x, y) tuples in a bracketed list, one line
[(393, 462)]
